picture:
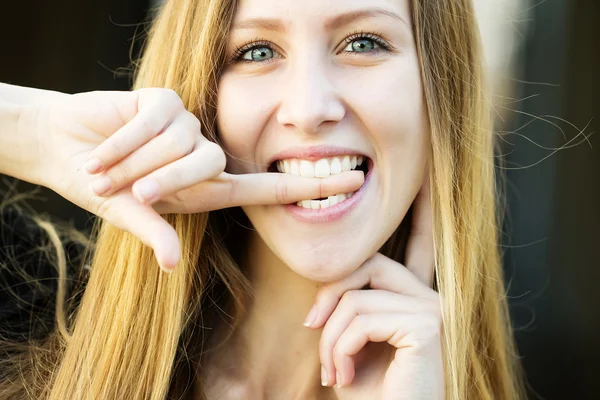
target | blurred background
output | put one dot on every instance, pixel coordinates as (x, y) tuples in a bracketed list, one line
[(542, 58)]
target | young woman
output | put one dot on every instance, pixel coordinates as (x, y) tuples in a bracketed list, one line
[(326, 162)]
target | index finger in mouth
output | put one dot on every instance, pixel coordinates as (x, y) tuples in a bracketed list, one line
[(229, 190), (278, 188)]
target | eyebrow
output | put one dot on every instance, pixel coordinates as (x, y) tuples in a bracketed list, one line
[(339, 20)]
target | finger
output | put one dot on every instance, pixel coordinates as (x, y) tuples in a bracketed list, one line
[(276, 188), (146, 224), (413, 333), (205, 162), (378, 272), (156, 114), (175, 142), (420, 259), (356, 302), (228, 190)]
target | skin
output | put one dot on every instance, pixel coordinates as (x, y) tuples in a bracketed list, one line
[(385, 342), (309, 90), (74, 144), (315, 94)]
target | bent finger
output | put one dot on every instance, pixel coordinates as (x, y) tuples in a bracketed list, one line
[(147, 123), (175, 142), (146, 224), (205, 162)]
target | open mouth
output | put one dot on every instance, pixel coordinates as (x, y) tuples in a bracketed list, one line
[(323, 168)]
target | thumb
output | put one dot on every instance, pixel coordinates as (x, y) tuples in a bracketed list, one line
[(146, 224), (166, 246)]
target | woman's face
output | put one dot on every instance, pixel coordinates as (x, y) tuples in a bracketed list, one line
[(315, 87)]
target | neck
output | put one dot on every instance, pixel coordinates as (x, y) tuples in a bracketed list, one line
[(271, 352)]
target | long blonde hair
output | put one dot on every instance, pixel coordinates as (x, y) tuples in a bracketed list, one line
[(138, 333)]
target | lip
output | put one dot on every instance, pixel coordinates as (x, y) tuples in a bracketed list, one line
[(315, 153), (332, 213)]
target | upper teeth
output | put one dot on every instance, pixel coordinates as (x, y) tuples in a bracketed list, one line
[(321, 168)]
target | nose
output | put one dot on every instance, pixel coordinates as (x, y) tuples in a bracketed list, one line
[(309, 99)]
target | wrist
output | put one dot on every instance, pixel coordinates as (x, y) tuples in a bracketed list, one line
[(22, 131), (19, 145), (26, 96)]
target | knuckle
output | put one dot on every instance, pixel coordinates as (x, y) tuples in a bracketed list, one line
[(322, 294), (166, 177), (119, 174), (433, 296), (215, 150), (177, 144), (360, 322), (170, 96), (194, 122), (211, 147), (220, 159), (176, 177), (430, 326), (326, 345), (124, 172), (211, 153), (436, 309), (151, 126), (115, 150), (325, 349), (103, 209), (376, 270), (350, 298), (337, 353), (233, 192), (189, 132), (281, 190)]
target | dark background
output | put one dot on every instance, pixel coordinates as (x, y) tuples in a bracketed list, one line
[(552, 237)]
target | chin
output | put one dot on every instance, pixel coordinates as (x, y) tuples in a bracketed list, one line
[(325, 263)]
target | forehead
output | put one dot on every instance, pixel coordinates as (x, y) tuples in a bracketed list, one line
[(318, 12)]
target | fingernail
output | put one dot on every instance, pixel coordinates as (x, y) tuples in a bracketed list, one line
[(93, 165), (161, 264), (323, 376), (167, 270), (101, 185), (338, 380), (145, 190), (312, 315)]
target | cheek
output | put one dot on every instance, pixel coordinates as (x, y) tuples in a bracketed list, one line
[(242, 113), (394, 110)]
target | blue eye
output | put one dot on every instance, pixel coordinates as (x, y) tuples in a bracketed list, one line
[(257, 54), (362, 43), (362, 46), (261, 51)]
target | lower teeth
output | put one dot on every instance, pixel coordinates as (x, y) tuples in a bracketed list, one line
[(328, 202)]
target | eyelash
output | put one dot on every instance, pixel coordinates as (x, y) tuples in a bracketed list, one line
[(261, 43)]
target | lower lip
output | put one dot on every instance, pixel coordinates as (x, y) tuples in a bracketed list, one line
[(331, 213)]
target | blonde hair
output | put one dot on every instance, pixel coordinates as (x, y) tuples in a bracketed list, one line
[(139, 333)]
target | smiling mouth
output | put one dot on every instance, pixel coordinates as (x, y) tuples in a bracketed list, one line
[(322, 168)]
